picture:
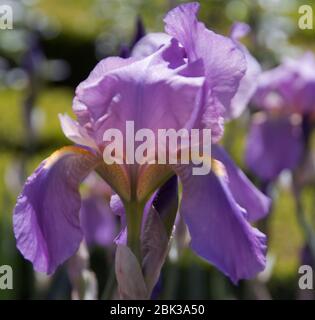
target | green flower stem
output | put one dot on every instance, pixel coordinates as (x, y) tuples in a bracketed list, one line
[(134, 213)]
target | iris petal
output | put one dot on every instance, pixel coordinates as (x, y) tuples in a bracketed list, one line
[(218, 228), (224, 63), (149, 44), (46, 217), (249, 82), (245, 193), (74, 132), (159, 91)]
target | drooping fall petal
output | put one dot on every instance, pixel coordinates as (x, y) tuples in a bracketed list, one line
[(245, 193), (46, 217), (218, 227)]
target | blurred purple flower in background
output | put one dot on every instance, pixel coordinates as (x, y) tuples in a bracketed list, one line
[(189, 81), (99, 222), (285, 96)]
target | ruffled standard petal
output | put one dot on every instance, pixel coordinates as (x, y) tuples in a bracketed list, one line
[(255, 203), (224, 63), (46, 217), (164, 89), (218, 228), (159, 91), (96, 97), (273, 144)]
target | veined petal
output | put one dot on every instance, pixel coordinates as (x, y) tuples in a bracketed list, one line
[(218, 228), (96, 98), (224, 62), (46, 217), (274, 144), (255, 203), (159, 91)]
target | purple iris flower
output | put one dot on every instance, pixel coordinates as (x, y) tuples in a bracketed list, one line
[(188, 82), (285, 96)]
